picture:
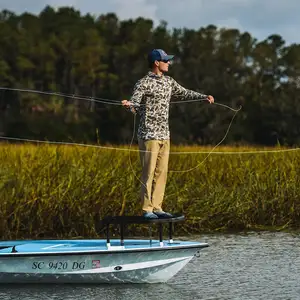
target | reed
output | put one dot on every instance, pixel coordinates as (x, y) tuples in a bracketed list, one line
[(49, 191)]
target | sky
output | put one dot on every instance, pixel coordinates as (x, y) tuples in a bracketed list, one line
[(260, 18)]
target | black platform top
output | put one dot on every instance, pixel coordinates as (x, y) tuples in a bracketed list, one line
[(140, 220)]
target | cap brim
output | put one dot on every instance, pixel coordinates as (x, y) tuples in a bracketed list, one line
[(169, 57)]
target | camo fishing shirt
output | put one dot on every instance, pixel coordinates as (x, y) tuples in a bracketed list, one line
[(151, 99)]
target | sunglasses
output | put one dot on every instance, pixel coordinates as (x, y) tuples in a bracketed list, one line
[(165, 61)]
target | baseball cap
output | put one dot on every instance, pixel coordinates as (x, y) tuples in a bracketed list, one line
[(159, 55)]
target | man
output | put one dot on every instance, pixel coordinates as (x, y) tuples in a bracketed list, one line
[(151, 99)]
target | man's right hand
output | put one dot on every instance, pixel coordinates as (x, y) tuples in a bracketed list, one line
[(126, 103)]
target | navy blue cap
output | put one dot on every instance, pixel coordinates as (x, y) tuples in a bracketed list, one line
[(159, 55)]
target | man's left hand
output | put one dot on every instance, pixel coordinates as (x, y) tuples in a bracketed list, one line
[(210, 99)]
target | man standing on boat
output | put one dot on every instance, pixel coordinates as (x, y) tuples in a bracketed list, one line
[(151, 99)]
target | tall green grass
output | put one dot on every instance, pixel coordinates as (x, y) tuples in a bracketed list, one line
[(51, 191)]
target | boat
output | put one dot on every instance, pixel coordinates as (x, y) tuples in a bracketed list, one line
[(99, 260)]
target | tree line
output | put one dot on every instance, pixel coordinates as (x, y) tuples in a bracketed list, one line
[(65, 52)]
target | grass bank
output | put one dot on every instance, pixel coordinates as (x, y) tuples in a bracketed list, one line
[(63, 191)]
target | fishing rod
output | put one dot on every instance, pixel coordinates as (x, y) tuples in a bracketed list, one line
[(104, 100)]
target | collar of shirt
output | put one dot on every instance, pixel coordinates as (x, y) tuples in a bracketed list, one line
[(151, 74)]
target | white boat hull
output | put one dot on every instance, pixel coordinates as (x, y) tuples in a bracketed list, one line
[(128, 264)]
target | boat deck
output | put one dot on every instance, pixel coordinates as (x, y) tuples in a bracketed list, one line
[(72, 246), (86, 246)]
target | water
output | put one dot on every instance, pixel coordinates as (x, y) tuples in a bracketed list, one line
[(251, 266)]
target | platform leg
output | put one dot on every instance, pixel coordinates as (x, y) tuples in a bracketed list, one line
[(107, 236), (170, 232), (150, 234), (122, 233), (161, 235)]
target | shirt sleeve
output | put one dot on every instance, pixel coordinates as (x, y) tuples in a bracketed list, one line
[(137, 96), (179, 91)]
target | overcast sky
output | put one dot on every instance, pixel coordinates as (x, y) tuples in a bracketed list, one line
[(259, 17)]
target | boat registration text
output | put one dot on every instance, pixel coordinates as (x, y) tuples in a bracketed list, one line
[(59, 265)]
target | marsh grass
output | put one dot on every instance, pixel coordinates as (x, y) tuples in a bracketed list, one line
[(49, 191)]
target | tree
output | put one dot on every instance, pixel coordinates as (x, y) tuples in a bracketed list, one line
[(63, 51)]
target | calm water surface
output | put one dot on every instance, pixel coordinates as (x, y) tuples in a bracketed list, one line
[(250, 266)]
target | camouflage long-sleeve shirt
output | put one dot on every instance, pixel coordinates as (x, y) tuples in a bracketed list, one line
[(151, 99)]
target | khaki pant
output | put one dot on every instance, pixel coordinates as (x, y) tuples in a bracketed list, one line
[(154, 173)]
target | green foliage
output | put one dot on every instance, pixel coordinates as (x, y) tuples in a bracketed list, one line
[(61, 50), (63, 191)]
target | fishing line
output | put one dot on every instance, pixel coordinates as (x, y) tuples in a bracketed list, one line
[(136, 150), (209, 153), (100, 100), (217, 145), (199, 164), (130, 162), (116, 102), (73, 96), (181, 171)]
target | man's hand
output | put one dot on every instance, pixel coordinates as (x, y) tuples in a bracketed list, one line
[(127, 105), (210, 99)]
